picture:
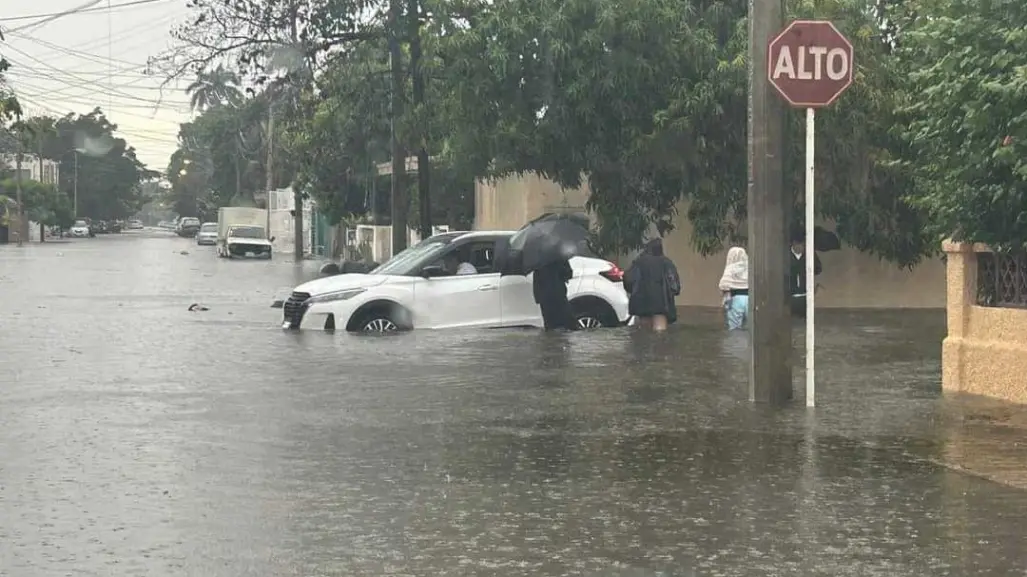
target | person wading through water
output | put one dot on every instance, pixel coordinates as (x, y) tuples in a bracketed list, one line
[(549, 283), (652, 283)]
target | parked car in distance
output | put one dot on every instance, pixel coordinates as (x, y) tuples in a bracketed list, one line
[(80, 229), (208, 234), (188, 227), (99, 227), (116, 226), (135, 225), (413, 290)]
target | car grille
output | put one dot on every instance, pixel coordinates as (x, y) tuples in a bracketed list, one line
[(294, 308), (240, 249)]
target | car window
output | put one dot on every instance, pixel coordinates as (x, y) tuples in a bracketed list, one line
[(480, 253), (209, 228)]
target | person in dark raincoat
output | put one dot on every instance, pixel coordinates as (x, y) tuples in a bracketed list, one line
[(797, 273), (549, 283), (652, 283)]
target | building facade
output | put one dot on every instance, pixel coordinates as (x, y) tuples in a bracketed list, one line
[(32, 168)]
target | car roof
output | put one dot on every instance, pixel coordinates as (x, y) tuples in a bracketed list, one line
[(462, 234)]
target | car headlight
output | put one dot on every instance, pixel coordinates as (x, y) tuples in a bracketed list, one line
[(335, 296)]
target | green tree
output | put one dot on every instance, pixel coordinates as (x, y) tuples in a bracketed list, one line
[(105, 166), (964, 119)]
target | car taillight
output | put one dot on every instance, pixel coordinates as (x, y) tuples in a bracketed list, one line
[(613, 274)]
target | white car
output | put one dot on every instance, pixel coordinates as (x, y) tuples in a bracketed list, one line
[(80, 229), (208, 234), (404, 292)]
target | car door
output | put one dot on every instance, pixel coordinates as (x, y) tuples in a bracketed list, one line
[(470, 300), (518, 302)]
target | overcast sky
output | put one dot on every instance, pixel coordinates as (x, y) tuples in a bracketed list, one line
[(98, 57)]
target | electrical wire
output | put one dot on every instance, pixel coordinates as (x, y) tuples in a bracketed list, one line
[(82, 49), (75, 76), (82, 11), (55, 16)]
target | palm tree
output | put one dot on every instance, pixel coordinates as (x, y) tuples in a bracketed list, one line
[(214, 88)]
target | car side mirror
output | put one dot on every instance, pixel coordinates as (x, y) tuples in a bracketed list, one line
[(432, 271), (272, 239)]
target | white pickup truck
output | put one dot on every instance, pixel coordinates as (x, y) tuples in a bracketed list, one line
[(242, 233)]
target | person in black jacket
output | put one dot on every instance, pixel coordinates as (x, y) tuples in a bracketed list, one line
[(549, 283), (652, 282), (797, 273)]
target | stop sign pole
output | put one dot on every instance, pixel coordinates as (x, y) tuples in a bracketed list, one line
[(810, 64)]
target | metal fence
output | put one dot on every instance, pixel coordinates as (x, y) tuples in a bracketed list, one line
[(1002, 280)]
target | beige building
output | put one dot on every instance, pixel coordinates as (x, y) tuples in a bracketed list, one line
[(850, 280)]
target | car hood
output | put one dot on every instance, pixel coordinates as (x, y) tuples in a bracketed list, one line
[(340, 283), (257, 241)]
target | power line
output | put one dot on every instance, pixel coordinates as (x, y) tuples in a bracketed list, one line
[(57, 15), (82, 11), (72, 75)]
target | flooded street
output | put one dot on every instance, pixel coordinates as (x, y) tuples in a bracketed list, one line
[(138, 438)]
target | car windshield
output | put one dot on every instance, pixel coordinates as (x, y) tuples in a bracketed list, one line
[(190, 222), (79, 223), (247, 232), (209, 227), (407, 262)]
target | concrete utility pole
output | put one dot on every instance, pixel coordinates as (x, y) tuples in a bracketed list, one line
[(23, 225), (400, 198), (770, 368), (269, 170), (75, 187), (297, 195)]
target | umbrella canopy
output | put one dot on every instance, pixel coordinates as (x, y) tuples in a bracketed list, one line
[(545, 240), (825, 240)]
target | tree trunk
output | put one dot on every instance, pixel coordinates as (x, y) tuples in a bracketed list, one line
[(400, 198), (423, 160)]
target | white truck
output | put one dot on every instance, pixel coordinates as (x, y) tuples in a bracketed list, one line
[(242, 232)]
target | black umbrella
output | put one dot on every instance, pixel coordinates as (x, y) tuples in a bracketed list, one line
[(825, 240), (547, 239)]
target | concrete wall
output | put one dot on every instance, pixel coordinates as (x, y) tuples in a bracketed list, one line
[(985, 352), (508, 203), (850, 280)]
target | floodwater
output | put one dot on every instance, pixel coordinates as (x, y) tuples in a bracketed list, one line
[(137, 438)]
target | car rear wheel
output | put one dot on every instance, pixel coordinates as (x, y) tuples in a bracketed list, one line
[(593, 313)]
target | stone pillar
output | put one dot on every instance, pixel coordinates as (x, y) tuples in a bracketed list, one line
[(961, 294)]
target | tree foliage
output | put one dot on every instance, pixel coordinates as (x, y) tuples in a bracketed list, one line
[(646, 101), (965, 119)]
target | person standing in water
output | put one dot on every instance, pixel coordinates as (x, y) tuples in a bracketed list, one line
[(797, 273), (734, 286), (549, 285), (652, 283)]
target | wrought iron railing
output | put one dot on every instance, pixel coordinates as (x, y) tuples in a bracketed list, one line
[(1002, 280)]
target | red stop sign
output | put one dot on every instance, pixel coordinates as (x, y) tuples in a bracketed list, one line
[(810, 63)]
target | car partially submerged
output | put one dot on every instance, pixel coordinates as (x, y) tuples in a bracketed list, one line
[(247, 242), (413, 291)]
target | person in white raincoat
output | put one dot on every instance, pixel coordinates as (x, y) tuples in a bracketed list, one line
[(734, 286)]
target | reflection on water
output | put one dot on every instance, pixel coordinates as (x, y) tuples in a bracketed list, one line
[(142, 439)]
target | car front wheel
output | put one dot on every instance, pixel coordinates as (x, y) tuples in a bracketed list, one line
[(378, 324)]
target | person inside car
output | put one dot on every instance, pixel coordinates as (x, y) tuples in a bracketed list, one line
[(454, 266)]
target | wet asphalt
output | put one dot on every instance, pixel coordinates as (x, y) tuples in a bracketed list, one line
[(137, 438)]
